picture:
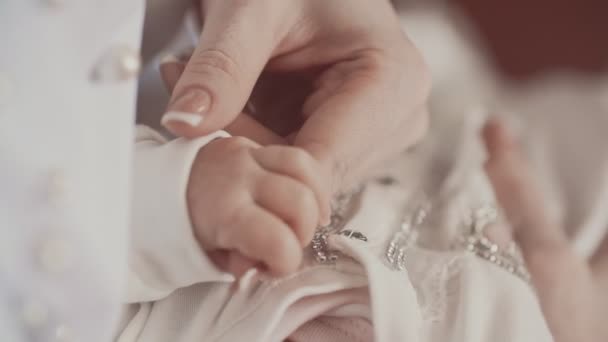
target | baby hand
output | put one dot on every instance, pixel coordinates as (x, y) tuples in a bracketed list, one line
[(262, 202)]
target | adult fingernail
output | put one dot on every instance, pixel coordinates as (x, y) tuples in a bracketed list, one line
[(189, 119), (189, 108)]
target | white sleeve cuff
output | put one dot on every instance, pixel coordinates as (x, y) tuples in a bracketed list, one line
[(164, 254)]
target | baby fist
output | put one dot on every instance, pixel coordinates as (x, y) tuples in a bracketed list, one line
[(260, 204)]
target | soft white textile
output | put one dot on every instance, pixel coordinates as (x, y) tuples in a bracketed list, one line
[(65, 156), (443, 294)]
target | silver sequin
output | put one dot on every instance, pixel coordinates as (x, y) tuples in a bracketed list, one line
[(475, 242), (405, 238), (320, 245)]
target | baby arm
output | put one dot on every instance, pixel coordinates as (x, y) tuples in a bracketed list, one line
[(196, 202)]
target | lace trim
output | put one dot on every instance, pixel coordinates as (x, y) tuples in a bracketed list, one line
[(434, 275)]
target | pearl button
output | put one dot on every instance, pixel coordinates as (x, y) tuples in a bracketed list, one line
[(34, 314), (55, 255), (6, 89), (119, 63)]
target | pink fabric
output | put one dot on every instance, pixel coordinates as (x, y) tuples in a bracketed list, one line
[(312, 308), (334, 329)]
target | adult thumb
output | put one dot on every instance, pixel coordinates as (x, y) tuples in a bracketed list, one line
[(244, 125), (219, 77)]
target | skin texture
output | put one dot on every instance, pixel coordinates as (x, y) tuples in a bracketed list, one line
[(571, 290), (260, 203), (337, 79)]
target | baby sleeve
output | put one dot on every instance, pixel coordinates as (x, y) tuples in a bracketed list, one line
[(164, 254)]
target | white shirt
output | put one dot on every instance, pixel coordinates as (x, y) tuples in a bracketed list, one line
[(67, 104)]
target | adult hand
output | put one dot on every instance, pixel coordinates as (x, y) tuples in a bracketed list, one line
[(340, 77), (573, 292)]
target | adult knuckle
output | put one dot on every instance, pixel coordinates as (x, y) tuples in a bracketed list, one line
[(374, 58), (375, 65), (214, 60), (407, 67)]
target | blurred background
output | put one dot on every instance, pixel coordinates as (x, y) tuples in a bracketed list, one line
[(542, 65), (526, 38)]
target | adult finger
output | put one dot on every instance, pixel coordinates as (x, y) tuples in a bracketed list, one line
[(238, 39), (244, 125), (517, 193), (561, 278), (358, 104)]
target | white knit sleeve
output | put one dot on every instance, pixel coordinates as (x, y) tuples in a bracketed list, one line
[(164, 254)]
